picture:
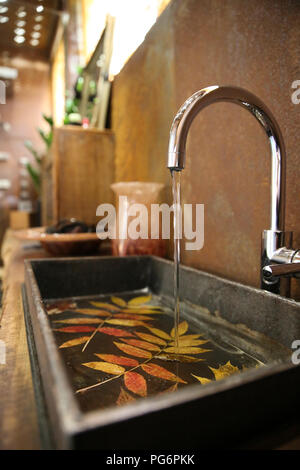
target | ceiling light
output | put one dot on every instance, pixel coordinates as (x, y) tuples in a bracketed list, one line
[(21, 14), (39, 18), (4, 19), (3, 9), (34, 42), (35, 35), (20, 23), (3, 1), (8, 73), (20, 31), (40, 8), (19, 39), (37, 27)]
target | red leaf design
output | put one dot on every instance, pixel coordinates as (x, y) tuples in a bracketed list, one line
[(133, 351), (161, 372), (120, 360), (136, 383), (61, 306), (76, 329), (142, 344), (114, 331)]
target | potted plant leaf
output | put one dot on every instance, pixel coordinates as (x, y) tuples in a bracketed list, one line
[(35, 171)]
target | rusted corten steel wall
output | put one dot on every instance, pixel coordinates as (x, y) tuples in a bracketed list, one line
[(254, 45)]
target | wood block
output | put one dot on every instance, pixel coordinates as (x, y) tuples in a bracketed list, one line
[(83, 170), (20, 220)]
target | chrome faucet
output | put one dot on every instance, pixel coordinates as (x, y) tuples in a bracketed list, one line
[(278, 259)]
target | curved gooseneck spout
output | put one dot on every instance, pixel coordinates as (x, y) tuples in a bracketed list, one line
[(276, 247), (213, 94)]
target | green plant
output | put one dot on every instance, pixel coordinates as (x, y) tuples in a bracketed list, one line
[(47, 137)]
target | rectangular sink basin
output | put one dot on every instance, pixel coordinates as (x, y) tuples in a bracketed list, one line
[(235, 379)]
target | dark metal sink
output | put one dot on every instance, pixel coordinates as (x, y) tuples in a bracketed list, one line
[(221, 413)]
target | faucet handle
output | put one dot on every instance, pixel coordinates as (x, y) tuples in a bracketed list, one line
[(284, 269)]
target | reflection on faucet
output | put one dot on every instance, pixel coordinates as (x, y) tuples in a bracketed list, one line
[(276, 243)]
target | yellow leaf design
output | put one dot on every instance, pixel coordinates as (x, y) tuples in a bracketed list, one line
[(151, 338), (78, 321), (123, 322), (202, 380), (105, 367), (118, 301), (224, 371), (141, 311), (186, 350), (53, 311), (159, 333), (140, 300), (182, 328), (93, 311), (188, 337), (105, 305), (189, 342), (74, 342), (131, 316), (147, 307), (178, 357)]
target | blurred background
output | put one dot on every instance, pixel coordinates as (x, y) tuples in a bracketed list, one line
[(92, 87), (51, 53)]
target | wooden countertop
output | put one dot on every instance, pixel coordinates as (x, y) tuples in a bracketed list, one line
[(18, 417)]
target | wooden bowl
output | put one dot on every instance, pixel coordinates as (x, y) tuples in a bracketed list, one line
[(61, 244)]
